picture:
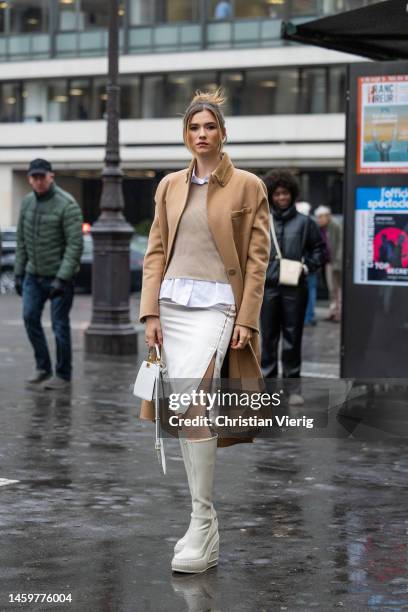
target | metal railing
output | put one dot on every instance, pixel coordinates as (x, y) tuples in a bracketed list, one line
[(160, 38)]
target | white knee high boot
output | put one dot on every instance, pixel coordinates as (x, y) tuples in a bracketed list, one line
[(187, 464), (200, 551)]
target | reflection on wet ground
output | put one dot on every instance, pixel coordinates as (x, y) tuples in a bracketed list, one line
[(304, 523)]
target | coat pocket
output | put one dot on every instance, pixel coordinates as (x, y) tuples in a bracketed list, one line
[(238, 213)]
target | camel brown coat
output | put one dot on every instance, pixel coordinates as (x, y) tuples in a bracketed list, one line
[(238, 218)]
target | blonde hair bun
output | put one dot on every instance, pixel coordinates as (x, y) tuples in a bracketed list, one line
[(210, 97)]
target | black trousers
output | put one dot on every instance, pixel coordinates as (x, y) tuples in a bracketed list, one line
[(283, 312)]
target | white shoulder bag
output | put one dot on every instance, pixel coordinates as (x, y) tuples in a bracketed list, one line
[(290, 270), (147, 387)]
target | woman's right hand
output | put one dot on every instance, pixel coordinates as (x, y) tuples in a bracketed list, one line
[(153, 332)]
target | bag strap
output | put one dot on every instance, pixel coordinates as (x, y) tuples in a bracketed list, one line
[(274, 238), (159, 444)]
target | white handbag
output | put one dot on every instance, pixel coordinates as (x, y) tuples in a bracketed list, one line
[(147, 386), (290, 270), (146, 377)]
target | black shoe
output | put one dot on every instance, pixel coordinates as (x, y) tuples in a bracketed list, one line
[(38, 376)]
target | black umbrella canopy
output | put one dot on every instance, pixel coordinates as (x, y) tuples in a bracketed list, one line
[(378, 31)]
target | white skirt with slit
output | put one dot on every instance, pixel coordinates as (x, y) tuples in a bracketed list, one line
[(191, 338)]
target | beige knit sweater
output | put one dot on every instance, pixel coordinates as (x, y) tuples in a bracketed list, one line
[(195, 254)]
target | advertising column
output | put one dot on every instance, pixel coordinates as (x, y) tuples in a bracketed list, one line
[(375, 315)]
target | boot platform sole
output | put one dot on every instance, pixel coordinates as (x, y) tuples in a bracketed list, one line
[(198, 566)]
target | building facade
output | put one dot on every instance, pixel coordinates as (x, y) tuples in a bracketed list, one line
[(285, 102)]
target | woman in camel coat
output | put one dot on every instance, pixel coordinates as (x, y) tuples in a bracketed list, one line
[(209, 239)]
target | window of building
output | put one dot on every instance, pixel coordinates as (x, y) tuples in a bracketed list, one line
[(163, 11), (10, 102), (254, 92), (304, 8), (28, 15), (257, 8), (35, 101), (67, 15), (3, 9), (173, 11), (153, 97), (57, 100), (337, 89), (141, 11), (180, 88), (313, 90), (270, 92), (130, 100), (93, 14), (99, 98), (233, 84), (79, 93)]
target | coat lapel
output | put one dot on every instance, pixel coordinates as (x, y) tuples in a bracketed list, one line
[(179, 200)]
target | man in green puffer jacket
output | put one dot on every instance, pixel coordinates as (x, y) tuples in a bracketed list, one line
[(49, 248)]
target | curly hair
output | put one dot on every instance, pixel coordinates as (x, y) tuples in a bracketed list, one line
[(211, 101), (281, 178)]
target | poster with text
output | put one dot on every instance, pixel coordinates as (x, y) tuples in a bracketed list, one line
[(381, 236), (382, 124)]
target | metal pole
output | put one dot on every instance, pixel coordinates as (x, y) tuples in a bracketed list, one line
[(111, 331)]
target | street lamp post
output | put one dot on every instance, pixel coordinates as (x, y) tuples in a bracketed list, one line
[(110, 330)]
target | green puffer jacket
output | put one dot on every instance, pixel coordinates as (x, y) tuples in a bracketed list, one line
[(49, 235)]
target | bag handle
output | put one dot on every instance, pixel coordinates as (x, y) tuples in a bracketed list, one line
[(157, 357)]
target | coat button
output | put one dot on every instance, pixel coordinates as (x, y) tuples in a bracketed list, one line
[(231, 271)]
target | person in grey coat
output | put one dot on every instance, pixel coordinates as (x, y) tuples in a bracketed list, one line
[(333, 236)]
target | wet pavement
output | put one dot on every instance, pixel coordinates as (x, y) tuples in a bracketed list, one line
[(305, 523)]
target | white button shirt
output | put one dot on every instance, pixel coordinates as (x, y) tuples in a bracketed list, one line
[(196, 293)]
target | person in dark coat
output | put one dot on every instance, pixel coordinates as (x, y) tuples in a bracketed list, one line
[(284, 306)]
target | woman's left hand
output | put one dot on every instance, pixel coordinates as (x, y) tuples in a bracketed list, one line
[(240, 337)]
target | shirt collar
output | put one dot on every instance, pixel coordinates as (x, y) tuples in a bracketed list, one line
[(199, 181)]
